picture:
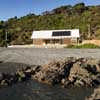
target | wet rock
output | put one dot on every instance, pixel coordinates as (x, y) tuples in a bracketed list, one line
[(36, 68), (96, 80), (21, 76), (4, 83), (27, 68), (67, 84), (1, 77), (1, 61), (63, 81), (98, 67), (79, 83), (95, 95), (91, 68)]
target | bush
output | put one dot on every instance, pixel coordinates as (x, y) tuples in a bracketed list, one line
[(93, 46)]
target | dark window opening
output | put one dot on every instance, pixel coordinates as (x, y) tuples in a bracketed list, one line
[(54, 41), (61, 33)]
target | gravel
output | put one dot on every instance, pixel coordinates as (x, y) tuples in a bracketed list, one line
[(39, 56), (15, 58)]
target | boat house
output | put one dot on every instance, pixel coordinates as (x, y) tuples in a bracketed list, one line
[(62, 37)]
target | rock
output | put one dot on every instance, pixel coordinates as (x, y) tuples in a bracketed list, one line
[(67, 84), (54, 72), (1, 61), (68, 72), (4, 83), (63, 81), (96, 80), (21, 76), (78, 75), (95, 95), (15, 78), (98, 67), (79, 83), (1, 77), (27, 68), (78, 72), (91, 68), (36, 68)]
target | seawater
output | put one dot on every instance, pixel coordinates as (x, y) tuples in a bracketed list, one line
[(33, 90)]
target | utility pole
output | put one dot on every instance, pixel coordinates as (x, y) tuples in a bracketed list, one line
[(6, 39)]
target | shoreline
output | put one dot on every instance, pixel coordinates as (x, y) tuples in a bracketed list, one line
[(69, 72), (73, 72), (15, 61)]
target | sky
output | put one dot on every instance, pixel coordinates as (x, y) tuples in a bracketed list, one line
[(11, 8)]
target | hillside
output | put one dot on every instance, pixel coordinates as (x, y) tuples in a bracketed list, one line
[(86, 18)]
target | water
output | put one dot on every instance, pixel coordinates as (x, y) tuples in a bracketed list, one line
[(33, 90)]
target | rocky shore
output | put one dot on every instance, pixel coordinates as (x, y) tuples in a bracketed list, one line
[(69, 72), (95, 95)]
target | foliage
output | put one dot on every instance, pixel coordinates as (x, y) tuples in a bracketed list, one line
[(83, 46), (64, 17)]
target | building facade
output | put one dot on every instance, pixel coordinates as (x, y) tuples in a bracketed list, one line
[(62, 37)]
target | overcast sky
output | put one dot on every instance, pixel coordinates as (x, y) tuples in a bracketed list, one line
[(11, 8)]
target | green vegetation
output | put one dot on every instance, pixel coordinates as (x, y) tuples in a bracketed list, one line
[(85, 18), (88, 46)]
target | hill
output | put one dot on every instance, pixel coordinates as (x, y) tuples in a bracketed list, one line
[(86, 18)]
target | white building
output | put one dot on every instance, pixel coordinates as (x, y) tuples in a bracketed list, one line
[(55, 37)]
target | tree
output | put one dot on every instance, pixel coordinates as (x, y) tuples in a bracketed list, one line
[(80, 8)]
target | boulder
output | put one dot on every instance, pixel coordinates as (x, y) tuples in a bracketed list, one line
[(79, 75), (95, 95), (4, 83)]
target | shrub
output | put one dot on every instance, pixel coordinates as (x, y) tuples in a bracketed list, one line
[(93, 46)]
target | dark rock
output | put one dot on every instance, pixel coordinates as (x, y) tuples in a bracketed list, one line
[(1, 61), (1, 77), (27, 68), (91, 68), (4, 83)]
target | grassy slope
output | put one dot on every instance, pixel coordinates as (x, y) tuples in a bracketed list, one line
[(65, 17)]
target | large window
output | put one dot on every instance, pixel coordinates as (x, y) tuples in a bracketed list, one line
[(61, 33)]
